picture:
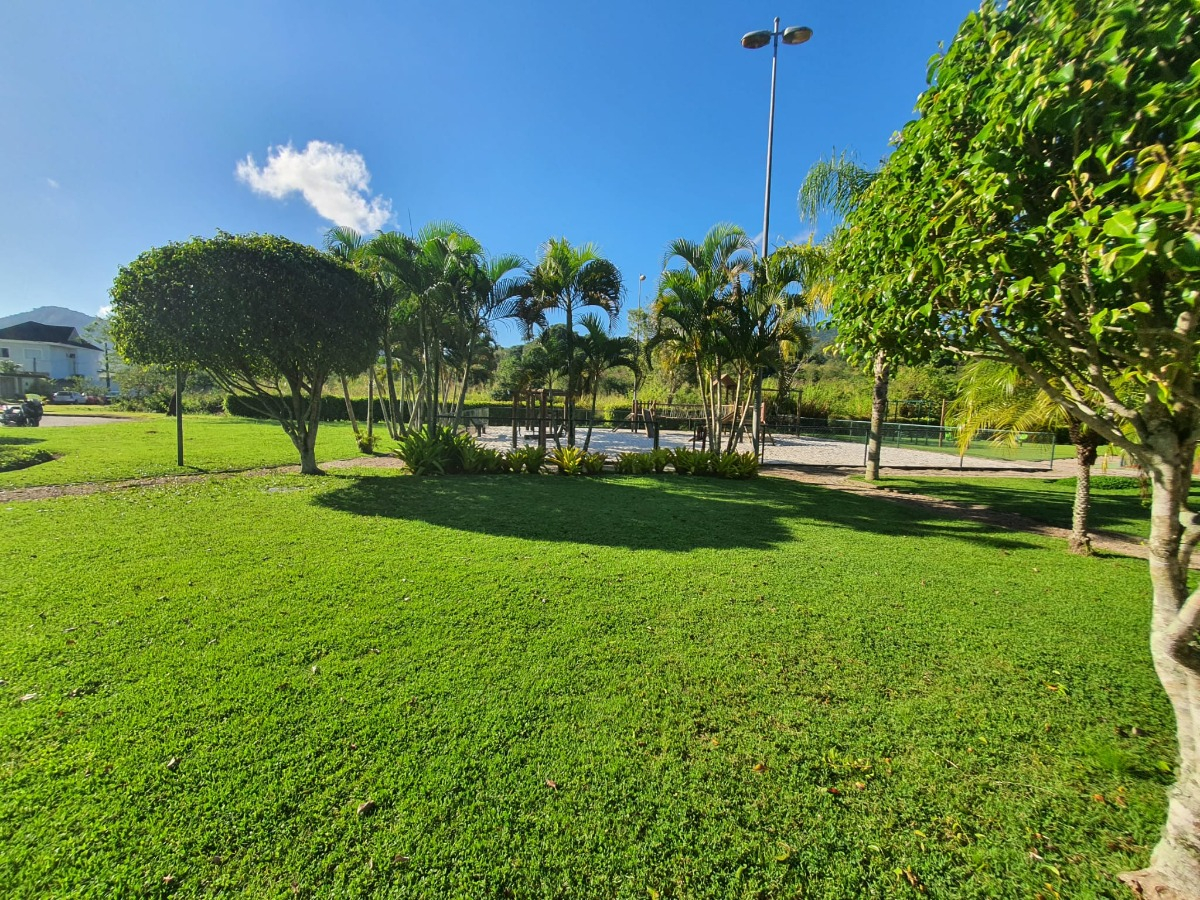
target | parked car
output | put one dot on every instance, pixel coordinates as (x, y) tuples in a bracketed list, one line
[(68, 397)]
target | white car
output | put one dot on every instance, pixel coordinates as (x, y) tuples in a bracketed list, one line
[(68, 397)]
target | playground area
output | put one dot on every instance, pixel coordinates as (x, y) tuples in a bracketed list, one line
[(789, 450)]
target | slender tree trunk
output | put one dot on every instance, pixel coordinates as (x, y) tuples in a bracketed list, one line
[(878, 411), (462, 394), (370, 406), (734, 424), (349, 405), (1085, 457), (569, 400), (1174, 871), (394, 417), (592, 416), (1079, 542)]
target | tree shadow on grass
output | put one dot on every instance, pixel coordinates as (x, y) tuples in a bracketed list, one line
[(1114, 509), (12, 440), (669, 513)]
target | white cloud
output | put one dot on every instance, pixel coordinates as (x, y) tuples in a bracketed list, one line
[(333, 180), (54, 184), (104, 312)]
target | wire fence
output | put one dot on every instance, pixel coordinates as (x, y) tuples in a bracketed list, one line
[(789, 440), (1032, 447)]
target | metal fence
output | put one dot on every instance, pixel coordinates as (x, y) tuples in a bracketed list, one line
[(1030, 448)]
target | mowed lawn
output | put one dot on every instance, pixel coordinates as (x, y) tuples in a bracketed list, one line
[(372, 685), (146, 447)]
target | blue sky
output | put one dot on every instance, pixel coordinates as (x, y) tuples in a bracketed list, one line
[(131, 124)]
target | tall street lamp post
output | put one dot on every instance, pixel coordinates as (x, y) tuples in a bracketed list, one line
[(756, 40)]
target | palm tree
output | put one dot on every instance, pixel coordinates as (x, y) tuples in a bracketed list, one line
[(692, 302), (599, 352), (835, 186), (565, 279), (766, 324), (994, 395), (496, 287)]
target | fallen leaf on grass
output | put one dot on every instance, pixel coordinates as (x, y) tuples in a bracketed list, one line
[(860, 785), (760, 767), (400, 859), (26, 698), (365, 809), (553, 785), (173, 763)]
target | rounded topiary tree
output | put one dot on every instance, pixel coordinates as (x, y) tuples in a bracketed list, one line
[(265, 316)]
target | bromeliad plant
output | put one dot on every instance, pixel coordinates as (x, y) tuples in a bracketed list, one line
[(428, 451), (527, 459), (569, 460)]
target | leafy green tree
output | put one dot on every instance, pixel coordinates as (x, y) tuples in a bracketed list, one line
[(1044, 209), (835, 185), (566, 279), (266, 317)]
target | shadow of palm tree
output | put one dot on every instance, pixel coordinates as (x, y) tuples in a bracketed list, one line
[(669, 513)]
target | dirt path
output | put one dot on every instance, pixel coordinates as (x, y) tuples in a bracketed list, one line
[(836, 478), (1102, 541)]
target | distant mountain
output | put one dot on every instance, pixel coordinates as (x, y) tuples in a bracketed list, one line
[(50, 315)]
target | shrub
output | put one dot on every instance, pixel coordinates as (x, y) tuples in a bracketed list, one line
[(635, 463), (659, 459), (593, 463), (528, 459), (428, 451), (493, 462), (568, 459), (692, 462), (367, 443), (736, 465)]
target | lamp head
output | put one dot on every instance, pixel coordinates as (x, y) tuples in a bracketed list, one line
[(756, 39), (797, 34)]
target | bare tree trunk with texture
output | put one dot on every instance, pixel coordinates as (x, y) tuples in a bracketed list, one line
[(1174, 871), (1085, 457), (878, 411)]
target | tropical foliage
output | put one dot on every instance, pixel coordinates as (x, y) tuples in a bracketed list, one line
[(729, 315)]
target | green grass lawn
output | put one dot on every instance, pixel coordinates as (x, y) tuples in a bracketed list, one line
[(551, 687), (1117, 503), (146, 447)]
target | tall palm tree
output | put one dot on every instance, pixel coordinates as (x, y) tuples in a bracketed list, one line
[(495, 289), (694, 299), (835, 186), (565, 279), (598, 353)]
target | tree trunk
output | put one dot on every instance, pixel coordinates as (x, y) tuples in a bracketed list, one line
[(1079, 542), (878, 411), (1085, 457), (462, 394), (1174, 871), (592, 417), (569, 400), (349, 405)]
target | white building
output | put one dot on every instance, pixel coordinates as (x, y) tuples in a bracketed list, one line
[(51, 351)]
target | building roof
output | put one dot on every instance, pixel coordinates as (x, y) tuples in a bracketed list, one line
[(46, 334)]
